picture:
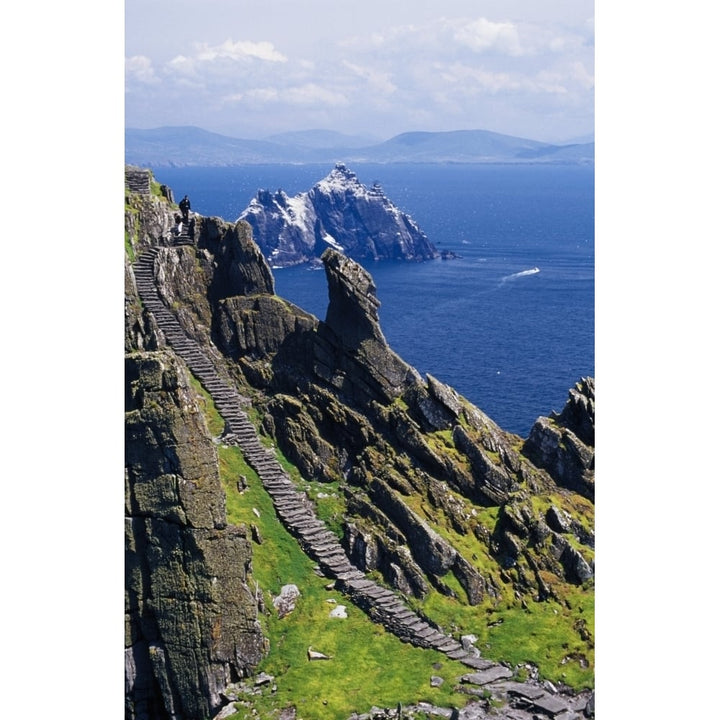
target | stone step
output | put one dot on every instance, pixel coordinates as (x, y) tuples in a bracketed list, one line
[(277, 483), (457, 654), (432, 639), (319, 534), (350, 576), (417, 625), (404, 614), (449, 646), (324, 547), (298, 506), (425, 632)]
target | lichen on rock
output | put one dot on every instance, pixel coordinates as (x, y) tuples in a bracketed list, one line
[(191, 618)]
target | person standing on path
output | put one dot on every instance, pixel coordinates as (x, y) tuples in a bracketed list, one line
[(185, 209)]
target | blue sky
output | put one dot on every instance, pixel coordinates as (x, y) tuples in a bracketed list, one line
[(377, 67)]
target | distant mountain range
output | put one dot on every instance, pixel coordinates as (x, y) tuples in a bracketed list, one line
[(192, 146)]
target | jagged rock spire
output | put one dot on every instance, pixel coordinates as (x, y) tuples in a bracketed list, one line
[(351, 350), (352, 313)]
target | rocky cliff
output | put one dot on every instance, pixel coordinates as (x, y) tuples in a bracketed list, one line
[(191, 619), (338, 212), (431, 498)]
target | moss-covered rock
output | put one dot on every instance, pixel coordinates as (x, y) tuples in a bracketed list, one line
[(191, 619), (564, 444)]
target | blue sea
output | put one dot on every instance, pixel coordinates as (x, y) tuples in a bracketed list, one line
[(510, 323)]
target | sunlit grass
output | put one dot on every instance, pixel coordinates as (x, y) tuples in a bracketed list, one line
[(545, 634), (369, 666), (215, 422)]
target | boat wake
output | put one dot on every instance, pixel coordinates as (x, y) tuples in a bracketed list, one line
[(523, 273)]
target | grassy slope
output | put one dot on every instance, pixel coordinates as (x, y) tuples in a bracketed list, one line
[(369, 666), (544, 634)]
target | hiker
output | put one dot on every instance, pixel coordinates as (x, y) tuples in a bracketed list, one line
[(185, 208)]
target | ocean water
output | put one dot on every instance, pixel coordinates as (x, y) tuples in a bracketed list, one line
[(510, 323)]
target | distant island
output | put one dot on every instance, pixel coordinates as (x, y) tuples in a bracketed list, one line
[(339, 212), (192, 146)]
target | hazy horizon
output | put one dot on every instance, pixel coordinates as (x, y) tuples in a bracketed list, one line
[(588, 138)]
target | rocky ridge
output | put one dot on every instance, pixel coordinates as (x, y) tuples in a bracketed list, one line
[(338, 212), (342, 406)]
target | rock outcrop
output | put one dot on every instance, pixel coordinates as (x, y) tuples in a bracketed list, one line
[(338, 212), (564, 444), (351, 353), (191, 619)]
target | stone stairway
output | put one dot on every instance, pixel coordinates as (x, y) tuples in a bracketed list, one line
[(184, 236), (293, 507), (137, 180)]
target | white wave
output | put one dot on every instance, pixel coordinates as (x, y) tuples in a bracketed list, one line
[(523, 273)]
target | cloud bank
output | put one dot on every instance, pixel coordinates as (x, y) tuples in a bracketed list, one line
[(533, 79)]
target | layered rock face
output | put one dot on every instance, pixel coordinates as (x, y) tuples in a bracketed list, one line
[(191, 619), (351, 352), (342, 404), (338, 212), (564, 444), (222, 262)]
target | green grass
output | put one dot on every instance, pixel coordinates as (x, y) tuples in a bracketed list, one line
[(215, 422), (155, 186), (329, 502), (543, 635), (129, 249), (369, 666)]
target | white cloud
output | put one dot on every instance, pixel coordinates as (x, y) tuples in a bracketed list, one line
[(466, 80), (222, 58), (377, 80), (439, 67), (482, 35), (444, 37), (140, 68), (257, 95), (181, 64), (469, 79), (240, 50), (585, 79), (551, 83), (311, 94)]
